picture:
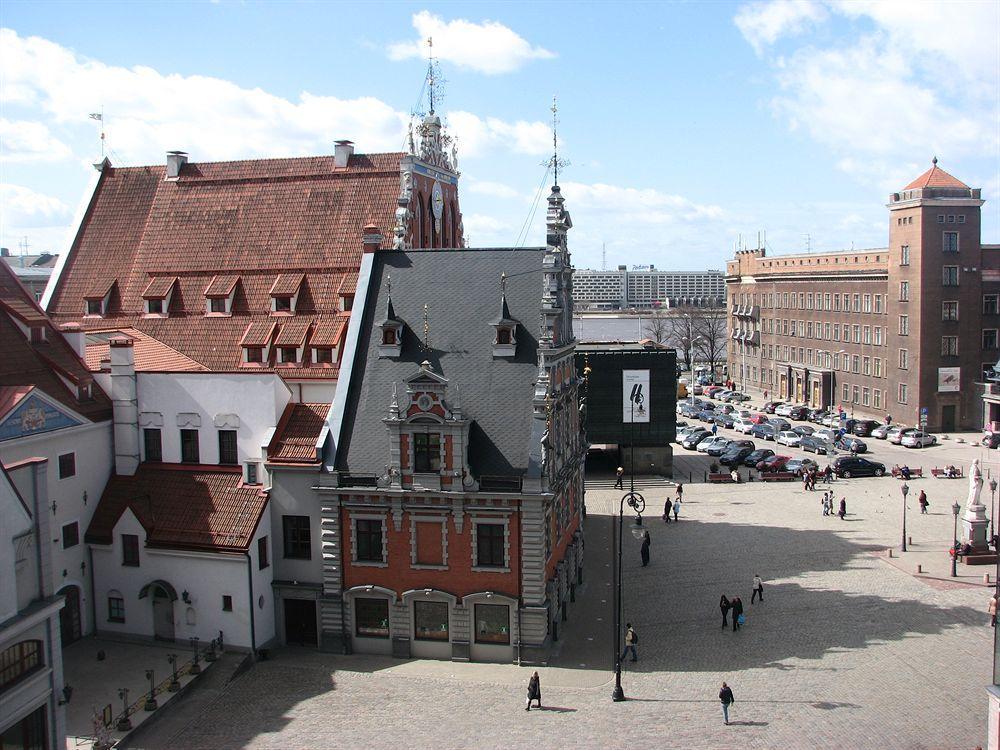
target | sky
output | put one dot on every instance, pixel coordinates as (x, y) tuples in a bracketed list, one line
[(687, 125)]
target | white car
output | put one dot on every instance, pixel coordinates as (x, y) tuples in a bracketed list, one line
[(789, 438), (897, 433), (918, 439), (743, 425), (881, 431), (829, 436), (832, 420), (697, 390), (784, 410), (704, 445)]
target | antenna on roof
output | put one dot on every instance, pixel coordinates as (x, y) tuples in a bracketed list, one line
[(808, 243), (554, 163), (604, 256)]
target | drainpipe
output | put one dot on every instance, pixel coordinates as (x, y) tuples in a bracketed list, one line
[(93, 589), (253, 627)]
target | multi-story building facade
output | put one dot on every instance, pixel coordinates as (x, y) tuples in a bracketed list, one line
[(903, 331), (644, 288)]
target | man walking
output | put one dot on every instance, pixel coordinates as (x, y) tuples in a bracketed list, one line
[(758, 589), (677, 506), (631, 641), (644, 550), (737, 607), (724, 605), (534, 691), (922, 499), (666, 510), (619, 474), (726, 699), (843, 508)]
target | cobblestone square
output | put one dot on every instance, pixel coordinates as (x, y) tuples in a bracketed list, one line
[(847, 650)]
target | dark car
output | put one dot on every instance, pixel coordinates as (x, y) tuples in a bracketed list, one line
[(864, 427), (680, 425), (774, 463), (687, 410), (779, 423), (757, 456), (799, 413), (735, 456), (694, 437), (724, 420), (818, 415), (803, 430), (851, 466), (991, 439), (852, 444), (719, 447), (764, 431), (812, 444), (798, 465), (705, 415), (770, 406)]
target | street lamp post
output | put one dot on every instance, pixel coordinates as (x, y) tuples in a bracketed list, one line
[(151, 698), (124, 723), (637, 503), (993, 509), (905, 489), (955, 510)]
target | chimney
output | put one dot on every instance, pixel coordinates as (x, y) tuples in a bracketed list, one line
[(73, 334), (175, 160), (125, 403), (342, 153), (372, 238)]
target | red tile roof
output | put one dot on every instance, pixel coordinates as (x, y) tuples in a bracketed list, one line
[(258, 333), (150, 355), (936, 177), (292, 331), (294, 440), (47, 364), (11, 395), (251, 220), (329, 331), (287, 284), (159, 287), (197, 507), (99, 289)]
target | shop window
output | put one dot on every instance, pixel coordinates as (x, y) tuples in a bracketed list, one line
[(130, 550), (297, 537), (116, 607), (371, 618), (492, 623), (426, 452), (152, 444), (430, 621)]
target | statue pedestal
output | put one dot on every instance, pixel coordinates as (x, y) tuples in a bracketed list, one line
[(975, 527)]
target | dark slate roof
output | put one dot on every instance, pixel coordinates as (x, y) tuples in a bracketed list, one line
[(461, 289)]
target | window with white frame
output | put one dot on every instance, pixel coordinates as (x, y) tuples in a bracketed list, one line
[(901, 393), (949, 346), (904, 359)]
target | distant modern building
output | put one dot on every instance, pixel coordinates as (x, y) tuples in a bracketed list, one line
[(33, 271), (646, 287), (905, 330)]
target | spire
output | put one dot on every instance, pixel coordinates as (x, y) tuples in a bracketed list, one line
[(390, 313), (504, 310), (431, 78), (555, 163)]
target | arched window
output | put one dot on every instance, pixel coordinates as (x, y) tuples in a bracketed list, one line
[(433, 238), (19, 661), (453, 215), (445, 239), (420, 239)]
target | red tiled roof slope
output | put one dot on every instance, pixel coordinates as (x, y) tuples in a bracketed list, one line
[(936, 177), (150, 355), (45, 364), (182, 507), (298, 430)]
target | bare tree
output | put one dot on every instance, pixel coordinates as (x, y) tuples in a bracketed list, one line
[(658, 327), (710, 335), (683, 336)]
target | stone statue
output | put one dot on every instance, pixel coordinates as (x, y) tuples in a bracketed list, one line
[(975, 484)]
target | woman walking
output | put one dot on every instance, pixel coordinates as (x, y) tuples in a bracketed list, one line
[(534, 691), (843, 508), (677, 506), (644, 550), (724, 605), (737, 612)]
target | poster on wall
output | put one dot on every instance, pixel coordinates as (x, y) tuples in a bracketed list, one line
[(948, 379), (635, 396)]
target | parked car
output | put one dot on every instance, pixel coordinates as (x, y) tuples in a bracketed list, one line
[(770, 406), (852, 466), (813, 444), (852, 444), (881, 431), (706, 415), (725, 420), (736, 397), (773, 463), (683, 433), (799, 413), (721, 395), (803, 430), (784, 410), (816, 416), (757, 456), (764, 431), (719, 447), (727, 409), (789, 438), (799, 465), (829, 435), (735, 457), (897, 433), (918, 439), (680, 426), (687, 409), (864, 427), (694, 437), (779, 424), (831, 420), (758, 418), (697, 390), (704, 444), (711, 390), (991, 440), (742, 425)]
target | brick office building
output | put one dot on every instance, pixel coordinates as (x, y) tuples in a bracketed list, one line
[(880, 331)]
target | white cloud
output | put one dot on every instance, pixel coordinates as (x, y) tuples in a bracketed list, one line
[(24, 207), (478, 136), (24, 141), (488, 47), (763, 23), (630, 206), (486, 187)]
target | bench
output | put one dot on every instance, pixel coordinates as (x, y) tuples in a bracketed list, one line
[(940, 473), (897, 472), (720, 478), (778, 476), (989, 558)]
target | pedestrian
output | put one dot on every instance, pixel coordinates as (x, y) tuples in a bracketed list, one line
[(715, 429), (805, 480), (828, 474), (666, 510), (758, 589), (631, 641), (826, 510), (724, 605), (993, 611), (677, 508), (644, 550), (726, 699), (922, 499), (619, 474), (534, 691), (680, 491), (843, 508), (765, 395), (737, 606), (829, 504), (888, 419)]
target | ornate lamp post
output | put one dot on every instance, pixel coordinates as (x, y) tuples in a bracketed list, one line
[(993, 510), (124, 723), (195, 666), (174, 685), (637, 503), (955, 509), (151, 698), (905, 489)]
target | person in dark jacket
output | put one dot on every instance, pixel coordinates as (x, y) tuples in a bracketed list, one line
[(727, 699), (843, 508), (534, 691), (724, 605), (666, 510), (619, 476), (923, 502), (737, 606), (644, 550)]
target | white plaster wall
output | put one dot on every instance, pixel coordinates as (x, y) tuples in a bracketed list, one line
[(317, 393), (258, 399), (14, 521), (292, 495), (92, 444), (44, 685), (264, 617), (205, 576)]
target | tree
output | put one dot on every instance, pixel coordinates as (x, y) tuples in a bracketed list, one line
[(683, 336), (658, 327), (711, 335)]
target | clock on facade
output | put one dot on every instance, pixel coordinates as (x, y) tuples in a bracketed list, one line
[(437, 200)]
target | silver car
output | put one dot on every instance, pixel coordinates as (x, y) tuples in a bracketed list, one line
[(918, 439)]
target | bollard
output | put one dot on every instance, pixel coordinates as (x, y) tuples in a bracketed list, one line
[(889, 551), (986, 577), (909, 540), (920, 568)]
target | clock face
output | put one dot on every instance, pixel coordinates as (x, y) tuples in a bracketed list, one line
[(437, 201)]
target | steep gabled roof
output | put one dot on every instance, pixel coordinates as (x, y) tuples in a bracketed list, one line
[(294, 440)]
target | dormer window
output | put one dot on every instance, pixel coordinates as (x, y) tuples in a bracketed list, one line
[(256, 343), (217, 305), (99, 298), (285, 293), (37, 334), (391, 339), (325, 339), (95, 307), (254, 354), (157, 296), (426, 452), (504, 336), (282, 304), (323, 355), (85, 391), (288, 354), (154, 307), (220, 294)]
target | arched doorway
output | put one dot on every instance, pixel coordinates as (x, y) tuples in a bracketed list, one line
[(163, 596), (70, 624)]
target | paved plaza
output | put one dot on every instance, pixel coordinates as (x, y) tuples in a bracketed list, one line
[(848, 650)]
